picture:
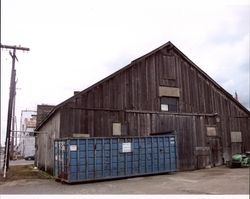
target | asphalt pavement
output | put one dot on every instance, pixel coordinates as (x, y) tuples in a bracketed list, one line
[(218, 180)]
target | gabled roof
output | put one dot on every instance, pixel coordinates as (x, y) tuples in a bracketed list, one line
[(168, 45)]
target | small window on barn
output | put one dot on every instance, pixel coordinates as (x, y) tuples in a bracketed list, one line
[(169, 104), (117, 129)]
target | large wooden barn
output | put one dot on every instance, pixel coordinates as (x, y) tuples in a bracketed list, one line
[(160, 92)]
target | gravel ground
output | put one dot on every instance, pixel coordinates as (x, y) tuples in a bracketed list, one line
[(218, 180)]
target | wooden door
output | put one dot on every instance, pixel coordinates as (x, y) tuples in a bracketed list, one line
[(215, 151)]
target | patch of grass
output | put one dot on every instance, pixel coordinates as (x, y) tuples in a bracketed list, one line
[(19, 172)]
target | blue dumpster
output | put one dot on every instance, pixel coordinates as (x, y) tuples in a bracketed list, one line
[(90, 159)]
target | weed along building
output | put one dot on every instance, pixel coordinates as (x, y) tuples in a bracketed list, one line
[(162, 92)]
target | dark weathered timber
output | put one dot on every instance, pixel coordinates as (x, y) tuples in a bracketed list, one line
[(42, 112), (131, 97)]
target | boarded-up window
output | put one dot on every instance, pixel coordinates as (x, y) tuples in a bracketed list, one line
[(117, 129), (236, 136), (169, 104), (168, 67), (211, 131), (169, 91)]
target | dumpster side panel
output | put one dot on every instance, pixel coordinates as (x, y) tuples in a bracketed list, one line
[(60, 159), (88, 159)]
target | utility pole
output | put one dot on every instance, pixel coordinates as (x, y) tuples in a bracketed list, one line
[(13, 124), (11, 103)]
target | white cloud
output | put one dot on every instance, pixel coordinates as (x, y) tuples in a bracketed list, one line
[(76, 43)]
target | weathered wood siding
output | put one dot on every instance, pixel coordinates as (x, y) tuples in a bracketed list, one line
[(136, 88), (42, 112), (131, 97), (45, 144), (190, 130)]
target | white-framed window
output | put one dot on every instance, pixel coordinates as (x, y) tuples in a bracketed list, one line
[(169, 104)]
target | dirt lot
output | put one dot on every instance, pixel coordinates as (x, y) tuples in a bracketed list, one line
[(219, 180), (19, 172)]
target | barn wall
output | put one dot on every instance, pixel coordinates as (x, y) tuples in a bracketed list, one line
[(132, 98), (199, 95), (190, 130), (137, 88), (45, 142)]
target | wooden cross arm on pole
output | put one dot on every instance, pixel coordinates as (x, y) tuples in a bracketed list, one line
[(14, 47)]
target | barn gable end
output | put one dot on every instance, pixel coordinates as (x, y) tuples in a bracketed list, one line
[(162, 91)]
